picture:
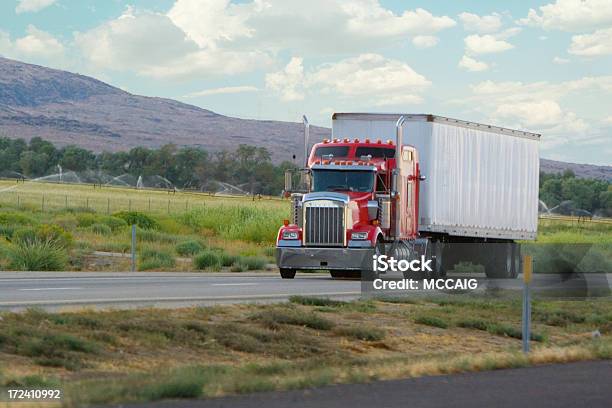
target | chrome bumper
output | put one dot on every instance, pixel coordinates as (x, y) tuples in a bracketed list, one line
[(324, 258)]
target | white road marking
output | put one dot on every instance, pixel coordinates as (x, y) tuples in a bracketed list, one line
[(38, 289), (234, 284)]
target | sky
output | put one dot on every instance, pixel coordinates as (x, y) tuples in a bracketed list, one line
[(542, 66)]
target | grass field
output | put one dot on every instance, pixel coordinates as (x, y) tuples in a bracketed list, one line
[(183, 231), (143, 355)]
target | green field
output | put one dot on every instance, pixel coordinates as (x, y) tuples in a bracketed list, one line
[(182, 231), (176, 231)]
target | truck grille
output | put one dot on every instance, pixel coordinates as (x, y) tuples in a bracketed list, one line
[(324, 225)]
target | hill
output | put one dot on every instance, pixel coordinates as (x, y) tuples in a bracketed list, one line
[(67, 108)]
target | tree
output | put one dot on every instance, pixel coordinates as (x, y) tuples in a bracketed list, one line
[(76, 159)]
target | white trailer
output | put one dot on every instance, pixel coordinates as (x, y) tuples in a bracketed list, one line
[(481, 180)]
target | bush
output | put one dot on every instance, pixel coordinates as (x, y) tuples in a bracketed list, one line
[(207, 259), (86, 220), (140, 219), (155, 259), (362, 333), (238, 267), (274, 317), (156, 236), (113, 223), (101, 229), (431, 321), (37, 256), (10, 218), (188, 248), (254, 263), (229, 260), (67, 222), (43, 233)]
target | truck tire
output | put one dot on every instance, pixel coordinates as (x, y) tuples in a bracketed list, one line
[(502, 262), (287, 273), (439, 269)]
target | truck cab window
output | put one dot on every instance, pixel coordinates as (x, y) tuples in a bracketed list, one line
[(375, 152), (336, 151), (342, 180)]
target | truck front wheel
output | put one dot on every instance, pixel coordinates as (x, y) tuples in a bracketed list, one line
[(287, 273)]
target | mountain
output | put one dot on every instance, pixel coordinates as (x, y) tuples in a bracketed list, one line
[(67, 108)]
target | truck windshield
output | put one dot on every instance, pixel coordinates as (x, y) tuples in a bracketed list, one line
[(342, 180)]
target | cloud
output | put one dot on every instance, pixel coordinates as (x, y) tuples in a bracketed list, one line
[(591, 45), (481, 24), (608, 120), (543, 113), (471, 64), (288, 83), (425, 41), (36, 45), (485, 44), (560, 61), (383, 81), (571, 15), (152, 45), (223, 91), (319, 27), (32, 6)]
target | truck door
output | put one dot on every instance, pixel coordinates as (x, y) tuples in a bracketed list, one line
[(408, 192)]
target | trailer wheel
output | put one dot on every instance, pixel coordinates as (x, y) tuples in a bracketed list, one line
[(439, 270), (287, 273)]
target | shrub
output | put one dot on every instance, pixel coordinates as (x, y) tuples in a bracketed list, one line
[(207, 259), (274, 317), (114, 223), (155, 259), (188, 248), (238, 267), (67, 222), (140, 219), (10, 218), (101, 229), (254, 263), (362, 333), (86, 220), (37, 256), (431, 321), (229, 260), (156, 236), (43, 233)]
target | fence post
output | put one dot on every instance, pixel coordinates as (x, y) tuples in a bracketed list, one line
[(66, 202), (18, 201), (149, 204), (43, 203), (130, 205), (186, 206), (87, 203), (527, 276), (133, 247), (107, 206), (168, 206)]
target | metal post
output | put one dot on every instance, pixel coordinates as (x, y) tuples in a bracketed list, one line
[(43, 203), (87, 205), (18, 201), (130, 205), (527, 276), (149, 205), (66, 201), (133, 247), (168, 206), (108, 206)]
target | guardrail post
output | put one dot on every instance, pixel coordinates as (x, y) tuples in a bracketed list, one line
[(527, 276), (133, 247)]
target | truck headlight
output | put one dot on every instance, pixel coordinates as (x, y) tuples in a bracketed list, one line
[(290, 235), (359, 236)]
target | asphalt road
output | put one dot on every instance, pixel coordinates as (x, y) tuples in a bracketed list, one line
[(583, 384), (64, 290)]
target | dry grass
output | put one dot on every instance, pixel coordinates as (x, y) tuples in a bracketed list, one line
[(139, 355)]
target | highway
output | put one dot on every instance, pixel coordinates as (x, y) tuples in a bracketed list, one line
[(583, 384), (65, 290), (62, 290)]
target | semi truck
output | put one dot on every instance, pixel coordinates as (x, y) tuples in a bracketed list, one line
[(411, 185)]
